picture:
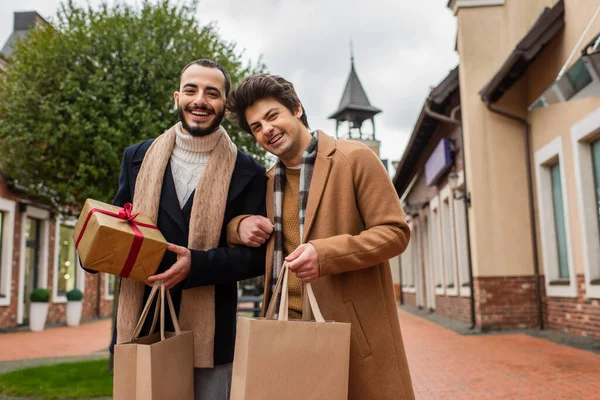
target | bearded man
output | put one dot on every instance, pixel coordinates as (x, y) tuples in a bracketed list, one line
[(192, 180)]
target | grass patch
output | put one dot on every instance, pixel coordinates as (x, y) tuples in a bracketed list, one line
[(60, 381)]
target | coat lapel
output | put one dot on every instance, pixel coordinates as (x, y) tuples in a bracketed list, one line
[(169, 202), (270, 243), (319, 181)]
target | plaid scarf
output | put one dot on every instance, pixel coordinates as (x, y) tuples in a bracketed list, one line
[(308, 163)]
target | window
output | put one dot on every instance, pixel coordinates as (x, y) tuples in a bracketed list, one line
[(596, 170), (32, 259), (436, 247), (447, 244), (559, 223), (407, 266), (67, 261), (427, 273), (109, 281), (553, 220), (67, 273), (585, 139), (579, 76), (409, 260), (33, 263), (7, 215), (435, 241), (462, 250), (416, 270)]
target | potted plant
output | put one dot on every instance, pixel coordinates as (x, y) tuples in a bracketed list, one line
[(39, 309), (74, 306)]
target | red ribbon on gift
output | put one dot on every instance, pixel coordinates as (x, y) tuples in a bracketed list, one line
[(138, 237)]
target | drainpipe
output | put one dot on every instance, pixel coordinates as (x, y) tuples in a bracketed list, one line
[(452, 120), (534, 244)]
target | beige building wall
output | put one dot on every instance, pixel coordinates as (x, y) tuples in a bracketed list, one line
[(499, 216), (546, 124)]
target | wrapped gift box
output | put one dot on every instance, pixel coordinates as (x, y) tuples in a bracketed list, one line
[(114, 240)]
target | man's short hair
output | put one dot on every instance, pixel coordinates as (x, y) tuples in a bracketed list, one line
[(258, 87), (210, 64)]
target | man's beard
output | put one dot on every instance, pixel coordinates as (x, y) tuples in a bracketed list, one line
[(197, 131)]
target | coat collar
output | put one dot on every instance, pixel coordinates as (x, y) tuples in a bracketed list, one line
[(327, 146), (319, 180), (326, 149), (169, 202)]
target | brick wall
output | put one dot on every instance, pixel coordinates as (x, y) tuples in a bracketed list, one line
[(410, 299), (580, 316), (456, 307), (8, 314), (505, 302), (56, 311)]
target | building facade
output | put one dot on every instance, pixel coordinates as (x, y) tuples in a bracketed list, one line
[(502, 182), (36, 245)]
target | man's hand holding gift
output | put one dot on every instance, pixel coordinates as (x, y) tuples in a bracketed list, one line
[(178, 271)]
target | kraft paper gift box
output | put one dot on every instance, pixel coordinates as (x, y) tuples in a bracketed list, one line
[(114, 240), (291, 360)]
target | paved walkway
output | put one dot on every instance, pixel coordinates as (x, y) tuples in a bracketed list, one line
[(444, 365), (87, 338)]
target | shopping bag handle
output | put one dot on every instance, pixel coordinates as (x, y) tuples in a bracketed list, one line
[(282, 287), (160, 302)]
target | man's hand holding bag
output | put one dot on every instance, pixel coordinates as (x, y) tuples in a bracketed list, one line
[(276, 358)]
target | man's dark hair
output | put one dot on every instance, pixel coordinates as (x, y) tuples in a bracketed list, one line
[(258, 87), (210, 64)]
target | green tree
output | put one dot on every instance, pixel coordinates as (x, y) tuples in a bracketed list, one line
[(77, 93)]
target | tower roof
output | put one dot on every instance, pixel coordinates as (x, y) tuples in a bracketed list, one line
[(22, 23), (354, 100)]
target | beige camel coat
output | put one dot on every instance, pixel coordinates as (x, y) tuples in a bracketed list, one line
[(356, 223)]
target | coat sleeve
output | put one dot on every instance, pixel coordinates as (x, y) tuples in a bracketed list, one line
[(226, 264), (386, 232), (233, 236)]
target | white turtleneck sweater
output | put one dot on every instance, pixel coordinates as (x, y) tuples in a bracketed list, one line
[(188, 161)]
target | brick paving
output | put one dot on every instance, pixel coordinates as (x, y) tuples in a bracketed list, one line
[(444, 365), (87, 338)]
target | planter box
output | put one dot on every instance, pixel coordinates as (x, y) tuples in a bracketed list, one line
[(74, 312), (37, 316)]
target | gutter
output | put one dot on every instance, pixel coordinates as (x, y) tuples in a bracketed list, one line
[(452, 120), (534, 244)]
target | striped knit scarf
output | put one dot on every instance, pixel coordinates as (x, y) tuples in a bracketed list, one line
[(308, 163)]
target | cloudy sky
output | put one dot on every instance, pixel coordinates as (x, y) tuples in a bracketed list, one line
[(401, 49)]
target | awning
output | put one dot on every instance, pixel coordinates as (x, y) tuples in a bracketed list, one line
[(579, 81), (545, 28)]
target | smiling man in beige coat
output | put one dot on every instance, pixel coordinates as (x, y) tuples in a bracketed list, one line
[(353, 223)]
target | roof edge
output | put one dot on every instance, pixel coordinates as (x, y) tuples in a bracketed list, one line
[(445, 89), (543, 30)]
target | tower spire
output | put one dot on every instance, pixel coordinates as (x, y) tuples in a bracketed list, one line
[(355, 107)]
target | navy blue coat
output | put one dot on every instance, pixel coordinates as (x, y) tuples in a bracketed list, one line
[(221, 267)]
